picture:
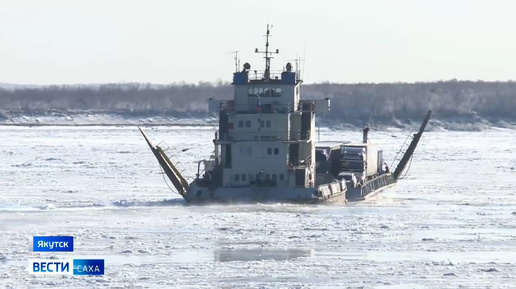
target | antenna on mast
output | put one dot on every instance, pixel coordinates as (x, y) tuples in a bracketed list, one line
[(237, 61), (268, 57), (304, 58)]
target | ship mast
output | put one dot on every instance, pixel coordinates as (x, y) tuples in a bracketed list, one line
[(237, 61), (268, 57)]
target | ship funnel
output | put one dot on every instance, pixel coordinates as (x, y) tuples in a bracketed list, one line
[(364, 136)]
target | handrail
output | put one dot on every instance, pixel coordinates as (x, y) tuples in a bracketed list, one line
[(410, 150), (402, 150)]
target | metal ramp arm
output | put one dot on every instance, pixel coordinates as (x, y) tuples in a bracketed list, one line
[(410, 150), (402, 150), (170, 170), (184, 183)]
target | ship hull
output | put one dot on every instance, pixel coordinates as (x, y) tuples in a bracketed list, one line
[(337, 193), (370, 188), (332, 193)]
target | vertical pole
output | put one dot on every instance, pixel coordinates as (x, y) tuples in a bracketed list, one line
[(318, 133), (267, 60)]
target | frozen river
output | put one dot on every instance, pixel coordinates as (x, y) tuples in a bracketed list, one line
[(450, 223)]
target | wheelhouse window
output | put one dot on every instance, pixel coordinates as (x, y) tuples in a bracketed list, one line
[(264, 91)]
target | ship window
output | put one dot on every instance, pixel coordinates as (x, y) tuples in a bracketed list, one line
[(264, 92), (262, 123), (237, 177), (274, 178), (254, 91), (276, 151), (240, 123), (242, 151), (251, 177), (281, 177), (249, 151), (267, 177), (269, 151), (268, 123), (247, 123), (244, 177)]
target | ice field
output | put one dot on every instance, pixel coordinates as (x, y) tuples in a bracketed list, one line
[(450, 223)]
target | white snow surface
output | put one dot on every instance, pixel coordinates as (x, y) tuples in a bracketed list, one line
[(89, 118), (451, 223)]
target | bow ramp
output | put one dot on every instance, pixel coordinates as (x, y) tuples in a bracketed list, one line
[(409, 151), (170, 169)]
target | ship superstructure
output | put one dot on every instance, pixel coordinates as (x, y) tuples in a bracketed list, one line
[(265, 148)]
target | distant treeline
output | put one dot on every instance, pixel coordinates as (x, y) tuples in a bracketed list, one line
[(363, 101)]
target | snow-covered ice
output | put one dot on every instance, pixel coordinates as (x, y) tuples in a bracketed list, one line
[(451, 222)]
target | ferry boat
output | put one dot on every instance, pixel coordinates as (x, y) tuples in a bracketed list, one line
[(265, 148)]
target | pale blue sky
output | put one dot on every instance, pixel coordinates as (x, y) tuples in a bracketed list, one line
[(64, 42)]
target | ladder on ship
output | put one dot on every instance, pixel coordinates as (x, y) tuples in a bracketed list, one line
[(408, 151), (180, 168), (167, 166), (401, 152)]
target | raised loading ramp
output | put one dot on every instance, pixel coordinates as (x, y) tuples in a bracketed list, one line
[(170, 170), (410, 149)]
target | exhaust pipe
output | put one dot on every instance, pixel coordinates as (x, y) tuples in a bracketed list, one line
[(364, 135)]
